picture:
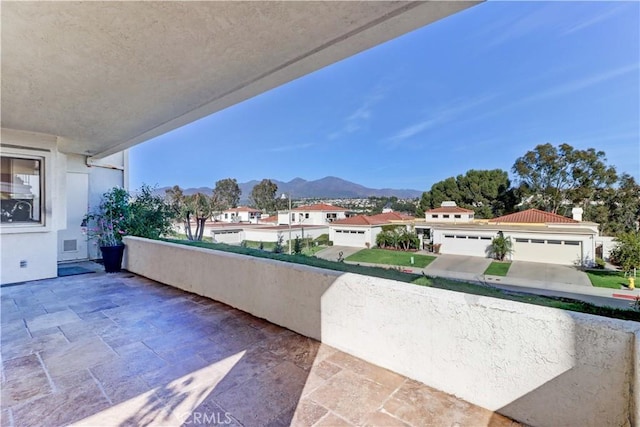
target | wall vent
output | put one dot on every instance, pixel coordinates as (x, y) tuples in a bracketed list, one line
[(70, 245)]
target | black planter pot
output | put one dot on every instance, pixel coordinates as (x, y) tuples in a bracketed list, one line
[(112, 258)]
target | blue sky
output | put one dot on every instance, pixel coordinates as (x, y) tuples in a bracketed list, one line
[(473, 91)]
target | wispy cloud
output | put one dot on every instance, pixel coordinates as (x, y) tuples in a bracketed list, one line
[(358, 119), (589, 22), (292, 147), (561, 89), (583, 83), (438, 117)]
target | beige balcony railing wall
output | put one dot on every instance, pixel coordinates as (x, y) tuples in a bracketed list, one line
[(538, 365)]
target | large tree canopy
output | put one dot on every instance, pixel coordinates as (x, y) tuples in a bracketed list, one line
[(486, 192), (226, 194), (552, 178), (263, 195)]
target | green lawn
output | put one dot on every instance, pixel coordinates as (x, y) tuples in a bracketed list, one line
[(607, 279), (498, 268), (386, 257), (421, 280), (267, 246)]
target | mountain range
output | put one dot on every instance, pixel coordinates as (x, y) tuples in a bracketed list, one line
[(327, 187)]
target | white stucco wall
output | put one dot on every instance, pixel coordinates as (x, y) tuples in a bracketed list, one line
[(344, 237), (541, 366), (36, 244)]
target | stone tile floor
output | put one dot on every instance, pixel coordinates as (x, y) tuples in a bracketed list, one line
[(120, 350)]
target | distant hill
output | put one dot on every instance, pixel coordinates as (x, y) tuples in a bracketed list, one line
[(327, 187)]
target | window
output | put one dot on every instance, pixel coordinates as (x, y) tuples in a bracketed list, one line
[(460, 237), (457, 216), (522, 240), (434, 216), (473, 237), (485, 238), (21, 189), (537, 241), (448, 236), (571, 243), (554, 242), (293, 217), (445, 215), (306, 216)]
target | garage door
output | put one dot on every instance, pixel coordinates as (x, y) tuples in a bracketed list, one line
[(565, 252), (464, 244), (353, 238)]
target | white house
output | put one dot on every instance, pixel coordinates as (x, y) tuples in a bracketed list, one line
[(361, 231), (239, 214), (537, 236), (317, 214), (84, 81), (449, 212)]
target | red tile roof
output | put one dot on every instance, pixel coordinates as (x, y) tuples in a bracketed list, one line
[(323, 207), (449, 209), (379, 219), (533, 216), (269, 219)]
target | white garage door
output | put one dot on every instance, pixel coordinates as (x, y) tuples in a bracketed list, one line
[(565, 252), (352, 238), (464, 244)]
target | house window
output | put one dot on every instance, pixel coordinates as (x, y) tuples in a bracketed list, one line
[(537, 241), (434, 216), (522, 240), (571, 243), (226, 216), (554, 242), (448, 236), (445, 216), (485, 238), (293, 217), (461, 237), (21, 189), (473, 237), (457, 216), (306, 216)]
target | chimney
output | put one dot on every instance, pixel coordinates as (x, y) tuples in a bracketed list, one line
[(577, 213)]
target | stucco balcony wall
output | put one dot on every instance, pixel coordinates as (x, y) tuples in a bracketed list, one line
[(538, 365)]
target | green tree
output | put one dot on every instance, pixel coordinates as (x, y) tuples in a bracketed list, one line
[(297, 245), (551, 177), (487, 192), (150, 215), (263, 195), (500, 247), (617, 210), (197, 207), (278, 248), (626, 253), (226, 194)]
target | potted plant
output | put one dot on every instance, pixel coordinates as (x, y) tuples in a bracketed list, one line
[(108, 224)]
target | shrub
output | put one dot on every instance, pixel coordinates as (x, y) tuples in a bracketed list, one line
[(322, 239), (150, 215), (501, 247), (600, 263), (297, 246), (278, 248)]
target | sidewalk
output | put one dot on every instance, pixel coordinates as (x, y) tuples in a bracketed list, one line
[(603, 297)]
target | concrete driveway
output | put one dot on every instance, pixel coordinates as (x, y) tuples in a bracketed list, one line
[(459, 264), (332, 252), (548, 273)]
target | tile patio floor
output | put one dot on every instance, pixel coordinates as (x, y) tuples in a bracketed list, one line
[(119, 349)]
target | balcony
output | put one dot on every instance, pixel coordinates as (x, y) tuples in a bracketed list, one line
[(121, 349)]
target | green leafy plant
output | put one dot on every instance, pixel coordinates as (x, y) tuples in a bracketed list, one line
[(111, 220), (501, 247), (150, 215), (278, 248)]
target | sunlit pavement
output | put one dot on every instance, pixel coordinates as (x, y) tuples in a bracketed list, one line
[(119, 349)]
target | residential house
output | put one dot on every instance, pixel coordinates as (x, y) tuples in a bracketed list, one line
[(536, 236), (361, 231), (239, 214), (316, 214)]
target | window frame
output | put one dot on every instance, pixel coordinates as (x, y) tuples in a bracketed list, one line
[(43, 157)]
